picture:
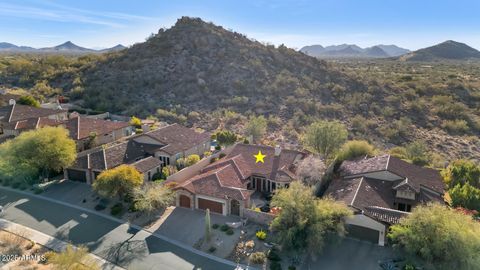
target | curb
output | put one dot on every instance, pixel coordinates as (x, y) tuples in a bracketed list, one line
[(162, 237), (53, 243)]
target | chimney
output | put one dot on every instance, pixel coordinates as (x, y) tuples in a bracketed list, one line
[(278, 150), (12, 102)]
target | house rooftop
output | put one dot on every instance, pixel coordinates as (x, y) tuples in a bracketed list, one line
[(18, 112), (176, 138), (81, 127), (229, 175)]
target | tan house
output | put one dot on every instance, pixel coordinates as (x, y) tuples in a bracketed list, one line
[(88, 132), (16, 118), (226, 186), (147, 152), (381, 190), (174, 141), (89, 164)]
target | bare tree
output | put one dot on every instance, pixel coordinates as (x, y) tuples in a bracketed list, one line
[(311, 170)]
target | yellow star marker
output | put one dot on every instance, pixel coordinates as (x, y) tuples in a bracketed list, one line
[(259, 157)]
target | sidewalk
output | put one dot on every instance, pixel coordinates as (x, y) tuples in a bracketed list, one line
[(50, 242)]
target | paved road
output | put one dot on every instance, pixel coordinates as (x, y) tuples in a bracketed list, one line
[(111, 240)]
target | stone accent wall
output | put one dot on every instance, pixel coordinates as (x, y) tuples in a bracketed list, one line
[(258, 217)]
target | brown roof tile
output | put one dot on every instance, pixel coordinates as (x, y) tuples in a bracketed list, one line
[(82, 127), (146, 164), (178, 138)]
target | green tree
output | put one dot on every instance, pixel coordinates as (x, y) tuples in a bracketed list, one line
[(152, 197), (225, 137), (465, 196), (28, 100), (355, 149), (136, 122), (120, 181), (256, 127), (192, 159), (325, 137), (417, 152), (461, 172), (37, 153), (442, 237), (72, 258), (305, 222)]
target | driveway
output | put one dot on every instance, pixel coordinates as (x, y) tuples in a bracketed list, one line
[(352, 254), (188, 226), (114, 241)]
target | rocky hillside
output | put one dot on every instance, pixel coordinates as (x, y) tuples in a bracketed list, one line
[(201, 66), (199, 74), (448, 50)]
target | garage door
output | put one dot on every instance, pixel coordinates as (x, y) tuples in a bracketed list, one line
[(184, 201), (212, 205), (362, 233), (77, 175)]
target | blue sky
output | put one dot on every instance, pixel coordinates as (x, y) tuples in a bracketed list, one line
[(411, 24)]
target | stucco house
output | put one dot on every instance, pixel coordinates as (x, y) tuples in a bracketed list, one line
[(227, 185), (89, 164), (381, 190), (16, 118), (148, 152), (83, 130), (174, 141)]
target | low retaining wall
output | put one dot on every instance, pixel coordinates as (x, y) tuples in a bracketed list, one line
[(258, 217)]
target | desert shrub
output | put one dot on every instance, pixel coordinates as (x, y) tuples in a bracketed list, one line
[(291, 267), (261, 235), (229, 231), (257, 258), (456, 126), (224, 228), (215, 226), (212, 249), (398, 152), (192, 159), (355, 149), (116, 209), (222, 155)]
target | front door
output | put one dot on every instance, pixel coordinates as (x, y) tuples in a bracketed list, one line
[(184, 201), (235, 208)]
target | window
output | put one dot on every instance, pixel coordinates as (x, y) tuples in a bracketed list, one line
[(404, 207), (149, 175)]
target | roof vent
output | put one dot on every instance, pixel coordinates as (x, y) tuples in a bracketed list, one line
[(12, 102)]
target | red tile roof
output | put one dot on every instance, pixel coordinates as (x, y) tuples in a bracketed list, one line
[(229, 175)]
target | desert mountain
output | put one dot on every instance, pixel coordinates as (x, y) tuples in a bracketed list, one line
[(65, 48), (448, 50), (199, 65), (5, 46), (353, 51)]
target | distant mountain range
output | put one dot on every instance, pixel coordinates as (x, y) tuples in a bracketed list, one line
[(353, 51), (65, 48), (448, 50)]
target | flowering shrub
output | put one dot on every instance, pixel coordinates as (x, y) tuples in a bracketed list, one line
[(261, 235)]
